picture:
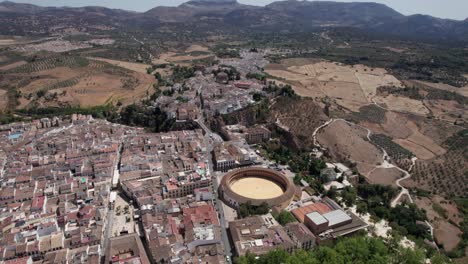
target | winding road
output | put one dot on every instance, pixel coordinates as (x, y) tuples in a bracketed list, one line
[(385, 164)]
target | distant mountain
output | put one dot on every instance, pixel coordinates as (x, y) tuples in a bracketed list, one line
[(11, 7), (195, 9), (227, 15)]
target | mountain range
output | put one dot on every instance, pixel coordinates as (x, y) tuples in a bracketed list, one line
[(289, 16)]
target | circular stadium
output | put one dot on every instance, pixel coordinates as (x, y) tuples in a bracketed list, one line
[(257, 185)]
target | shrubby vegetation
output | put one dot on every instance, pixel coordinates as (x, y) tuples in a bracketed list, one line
[(285, 217), (371, 113), (259, 76), (107, 111), (180, 73), (462, 204), (430, 94), (232, 72), (247, 209), (307, 168), (51, 63), (280, 90), (393, 149), (358, 250), (150, 117), (376, 200), (9, 118), (225, 51)]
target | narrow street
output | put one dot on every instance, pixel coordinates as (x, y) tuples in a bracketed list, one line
[(217, 202)]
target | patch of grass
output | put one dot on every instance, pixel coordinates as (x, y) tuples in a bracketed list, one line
[(439, 210)]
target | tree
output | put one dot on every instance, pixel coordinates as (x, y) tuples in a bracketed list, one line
[(408, 256), (359, 250), (41, 93), (285, 217)]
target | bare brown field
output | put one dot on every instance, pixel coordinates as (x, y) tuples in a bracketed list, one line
[(447, 110), (442, 86), (402, 104), (93, 85), (438, 131), (302, 117), (104, 88), (350, 94), (287, 75), (370, 82), (11, 41), (137, 67), (418, 150), (12, 65), (3, 100), (348, 142), (445, 233), (385, 176), (184, 57), (196, 47), (299, 62), (352, 86), (421, 139), (395, 125), (306, 88)]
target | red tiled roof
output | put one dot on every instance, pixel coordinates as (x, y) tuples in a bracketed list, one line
[(204, 214), (301, 212)]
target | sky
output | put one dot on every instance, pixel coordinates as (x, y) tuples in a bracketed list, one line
[(454, 9)]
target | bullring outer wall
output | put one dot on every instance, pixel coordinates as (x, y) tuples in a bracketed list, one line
[(234, 199)]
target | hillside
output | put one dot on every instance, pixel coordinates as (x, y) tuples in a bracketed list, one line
[(229, 15)]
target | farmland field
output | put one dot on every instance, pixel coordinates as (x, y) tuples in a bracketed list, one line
[(70, 80)]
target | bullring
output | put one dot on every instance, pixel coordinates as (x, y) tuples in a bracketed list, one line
[(257, 185)]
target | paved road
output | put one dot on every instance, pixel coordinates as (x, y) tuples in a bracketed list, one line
[(108, 232), (218, 203)]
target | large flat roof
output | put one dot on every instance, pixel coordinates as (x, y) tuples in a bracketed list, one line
[(317, 218), (336, 217)]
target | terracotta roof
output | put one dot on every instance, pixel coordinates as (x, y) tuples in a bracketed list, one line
[(301, 212)]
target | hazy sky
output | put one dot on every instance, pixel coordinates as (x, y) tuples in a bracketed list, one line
[(455, 9)]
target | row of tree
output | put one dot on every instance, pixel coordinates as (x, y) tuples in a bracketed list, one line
[(356, 250)]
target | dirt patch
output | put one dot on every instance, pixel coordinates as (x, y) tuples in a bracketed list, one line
[(12, 65), (402, 104), (348, 142), (450, 111), (299, 61), (418, 150), (385, 176), (194, 52), (53, 46), (445, 232), (347, 94), (370, 82), (5, 42), (105, 88), (95, 84), (3, 99), (395, 125), (301, 116), (422, 140), (196, 47), (287, 75), (137, 67), (351, 86)]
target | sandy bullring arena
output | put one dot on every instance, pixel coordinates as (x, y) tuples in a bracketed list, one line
[(256, 185), (257, 188)]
